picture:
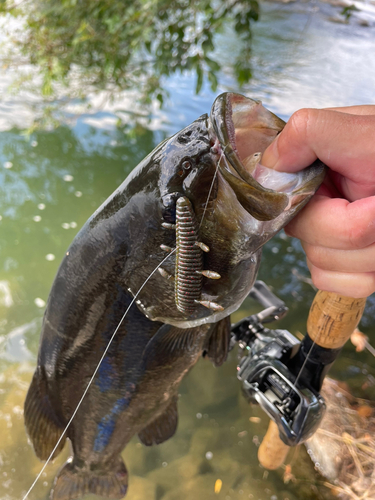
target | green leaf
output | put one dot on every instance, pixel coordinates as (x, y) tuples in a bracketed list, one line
[(213, 81), (160, 98), (348, 11), (47, 86), (213, 65), (243, 72), (199, 79), (208, 45)]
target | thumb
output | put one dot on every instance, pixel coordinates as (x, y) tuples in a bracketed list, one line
[(343, 141)]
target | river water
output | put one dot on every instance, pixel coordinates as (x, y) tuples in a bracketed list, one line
[(51, 182)]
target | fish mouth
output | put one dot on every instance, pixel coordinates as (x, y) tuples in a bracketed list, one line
[(242, 129)]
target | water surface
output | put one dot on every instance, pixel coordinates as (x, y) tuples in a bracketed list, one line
[(52, 181)]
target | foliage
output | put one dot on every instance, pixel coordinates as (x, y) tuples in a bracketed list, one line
[(348, 11), (125, 44)]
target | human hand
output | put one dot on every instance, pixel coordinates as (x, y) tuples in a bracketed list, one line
[(337, 227)]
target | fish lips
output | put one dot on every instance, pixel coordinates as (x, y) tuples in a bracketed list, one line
[(237, 120)]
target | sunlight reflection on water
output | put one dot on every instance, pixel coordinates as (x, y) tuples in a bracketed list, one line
[(330, 64)]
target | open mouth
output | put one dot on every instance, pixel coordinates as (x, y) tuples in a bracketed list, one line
[(245, 129)]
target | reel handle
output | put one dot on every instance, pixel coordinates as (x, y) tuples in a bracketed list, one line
[(332, 319)]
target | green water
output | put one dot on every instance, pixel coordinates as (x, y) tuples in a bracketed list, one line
[(51, 182)]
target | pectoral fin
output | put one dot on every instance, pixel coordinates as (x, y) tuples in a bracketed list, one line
[(162, 428), (41, 422), (263, 204), (218, 343), (170, 343)]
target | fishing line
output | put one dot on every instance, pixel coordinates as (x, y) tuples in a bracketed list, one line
[(370, 348), (111, 340), (93, 375), (130, 305), (296, 44), (304, 363), (212, 185)]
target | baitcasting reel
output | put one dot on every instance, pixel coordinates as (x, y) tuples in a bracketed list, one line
[(280, 373)]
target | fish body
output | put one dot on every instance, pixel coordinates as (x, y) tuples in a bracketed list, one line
[(202, 204)]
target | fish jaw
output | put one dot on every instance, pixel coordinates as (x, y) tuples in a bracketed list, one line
[(243, 129), (238, 203)]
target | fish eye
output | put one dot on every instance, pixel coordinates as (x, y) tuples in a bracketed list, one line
[(186, 165)]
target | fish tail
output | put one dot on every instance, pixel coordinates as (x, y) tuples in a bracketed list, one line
[(74, 482), (42, 424)]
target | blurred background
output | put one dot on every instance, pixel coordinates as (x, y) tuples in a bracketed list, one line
[(87, 89)]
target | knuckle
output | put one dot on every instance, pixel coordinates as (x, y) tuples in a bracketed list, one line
[(368, 286), (360, 224), (358, 235), (319, 279), (300, 120), (326, 259), (314, 255)]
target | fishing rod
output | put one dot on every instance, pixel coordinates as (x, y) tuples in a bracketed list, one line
[(283, 375)]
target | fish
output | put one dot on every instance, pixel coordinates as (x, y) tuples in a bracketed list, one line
[(178, 247)]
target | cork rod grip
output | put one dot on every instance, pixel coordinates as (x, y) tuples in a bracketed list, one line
[(331, 321)]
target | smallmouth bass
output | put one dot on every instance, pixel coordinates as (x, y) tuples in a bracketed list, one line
[(204, 193)]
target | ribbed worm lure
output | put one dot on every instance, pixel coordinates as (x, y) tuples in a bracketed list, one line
[(189, 261)]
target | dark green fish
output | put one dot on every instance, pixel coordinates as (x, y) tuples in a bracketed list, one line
[(203, 192)]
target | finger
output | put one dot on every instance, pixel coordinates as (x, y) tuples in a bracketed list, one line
[(335, 223), (368, 109), (356, 285), (344, 261), (315, 133), (340, 140)]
